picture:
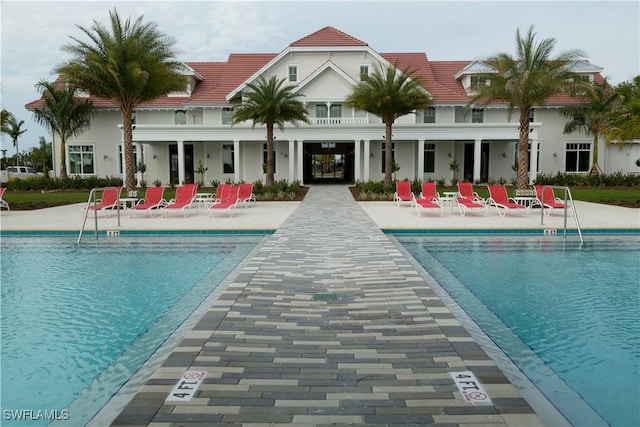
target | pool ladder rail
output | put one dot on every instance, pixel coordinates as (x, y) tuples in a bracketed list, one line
[(93, 201), (567, 197)]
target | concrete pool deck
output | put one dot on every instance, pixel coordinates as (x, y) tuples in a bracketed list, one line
[(327, 322)]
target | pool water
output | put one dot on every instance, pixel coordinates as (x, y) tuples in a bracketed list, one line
[(78, 321), (568, 315)]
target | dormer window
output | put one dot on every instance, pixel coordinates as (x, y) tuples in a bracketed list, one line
[(293, 73), (364, 72), (477, 81)]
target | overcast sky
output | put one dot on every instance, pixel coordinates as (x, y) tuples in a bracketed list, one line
[(33, 32)]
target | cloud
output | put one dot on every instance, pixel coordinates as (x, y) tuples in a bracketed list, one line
[(33, 32)]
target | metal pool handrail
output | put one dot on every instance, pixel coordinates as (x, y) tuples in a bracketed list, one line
[(567, 196), (92, 197)]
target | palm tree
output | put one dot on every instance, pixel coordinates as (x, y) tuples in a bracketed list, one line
[(592, 114), (4, 121), (64, 113), (130, 63), (14, 130), (526, 80), (270, 103), (625, 116), (389, 93)]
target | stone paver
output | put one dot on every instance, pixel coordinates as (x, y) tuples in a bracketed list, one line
[(327, 324)]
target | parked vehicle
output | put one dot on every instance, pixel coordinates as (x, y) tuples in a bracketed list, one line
[(19, 172)]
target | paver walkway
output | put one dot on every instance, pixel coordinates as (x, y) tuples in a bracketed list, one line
[(328, 324)]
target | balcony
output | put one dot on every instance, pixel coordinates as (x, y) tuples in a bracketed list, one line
[(338, 121)]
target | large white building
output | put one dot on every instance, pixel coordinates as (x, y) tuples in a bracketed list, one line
[(179, 134)]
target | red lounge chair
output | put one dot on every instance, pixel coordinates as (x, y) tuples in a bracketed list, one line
[(465, 204), (546, 198), (499, 198), (229, 200), (153, 199), (403, 192), (465, 189), (245, 194), (429, 191), (109, 201), (185, 196), (422, 204), (429, 199), (3, 202)]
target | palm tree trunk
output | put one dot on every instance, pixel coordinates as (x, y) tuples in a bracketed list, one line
[(130, 167), (269, 179), (522, 179), (595, 167), (63, 158), (15, 142), (387, 152)]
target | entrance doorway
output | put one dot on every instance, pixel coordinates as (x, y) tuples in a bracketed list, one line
[(188, 164), (326, 162), (328, 166)]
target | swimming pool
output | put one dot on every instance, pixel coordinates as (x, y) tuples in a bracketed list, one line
[(78, 321), (567, 314)]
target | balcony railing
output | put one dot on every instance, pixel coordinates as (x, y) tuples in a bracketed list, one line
[(338, 121)]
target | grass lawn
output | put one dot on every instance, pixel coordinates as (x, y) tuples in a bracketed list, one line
[(28, 200)]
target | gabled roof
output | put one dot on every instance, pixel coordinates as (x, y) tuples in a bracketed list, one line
[(475, 67), (328, 36), (319, 70), (219, 82)]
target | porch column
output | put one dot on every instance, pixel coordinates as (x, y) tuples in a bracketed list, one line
[(357, 160), (477, 145), (180, 162), (236, 160), (533, 173), (367, 159), (300, 161), (292, 160), (420, 172)]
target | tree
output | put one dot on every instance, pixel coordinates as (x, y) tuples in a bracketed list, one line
[(624, 118), (4, 121), (389, 93), (592, 114), (270, 103), (14, 130), (129, 63), (63, 113), (526, 80), (40, 157)]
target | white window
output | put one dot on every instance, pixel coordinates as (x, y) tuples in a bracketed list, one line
[(180, 117), (532, 115), (227, 115), (429, 115), (477, 81), (364, 72), (228, 157), (477, 115), (81, 159), (335, 112), (429, 158), (577, 157), (293, 73)]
